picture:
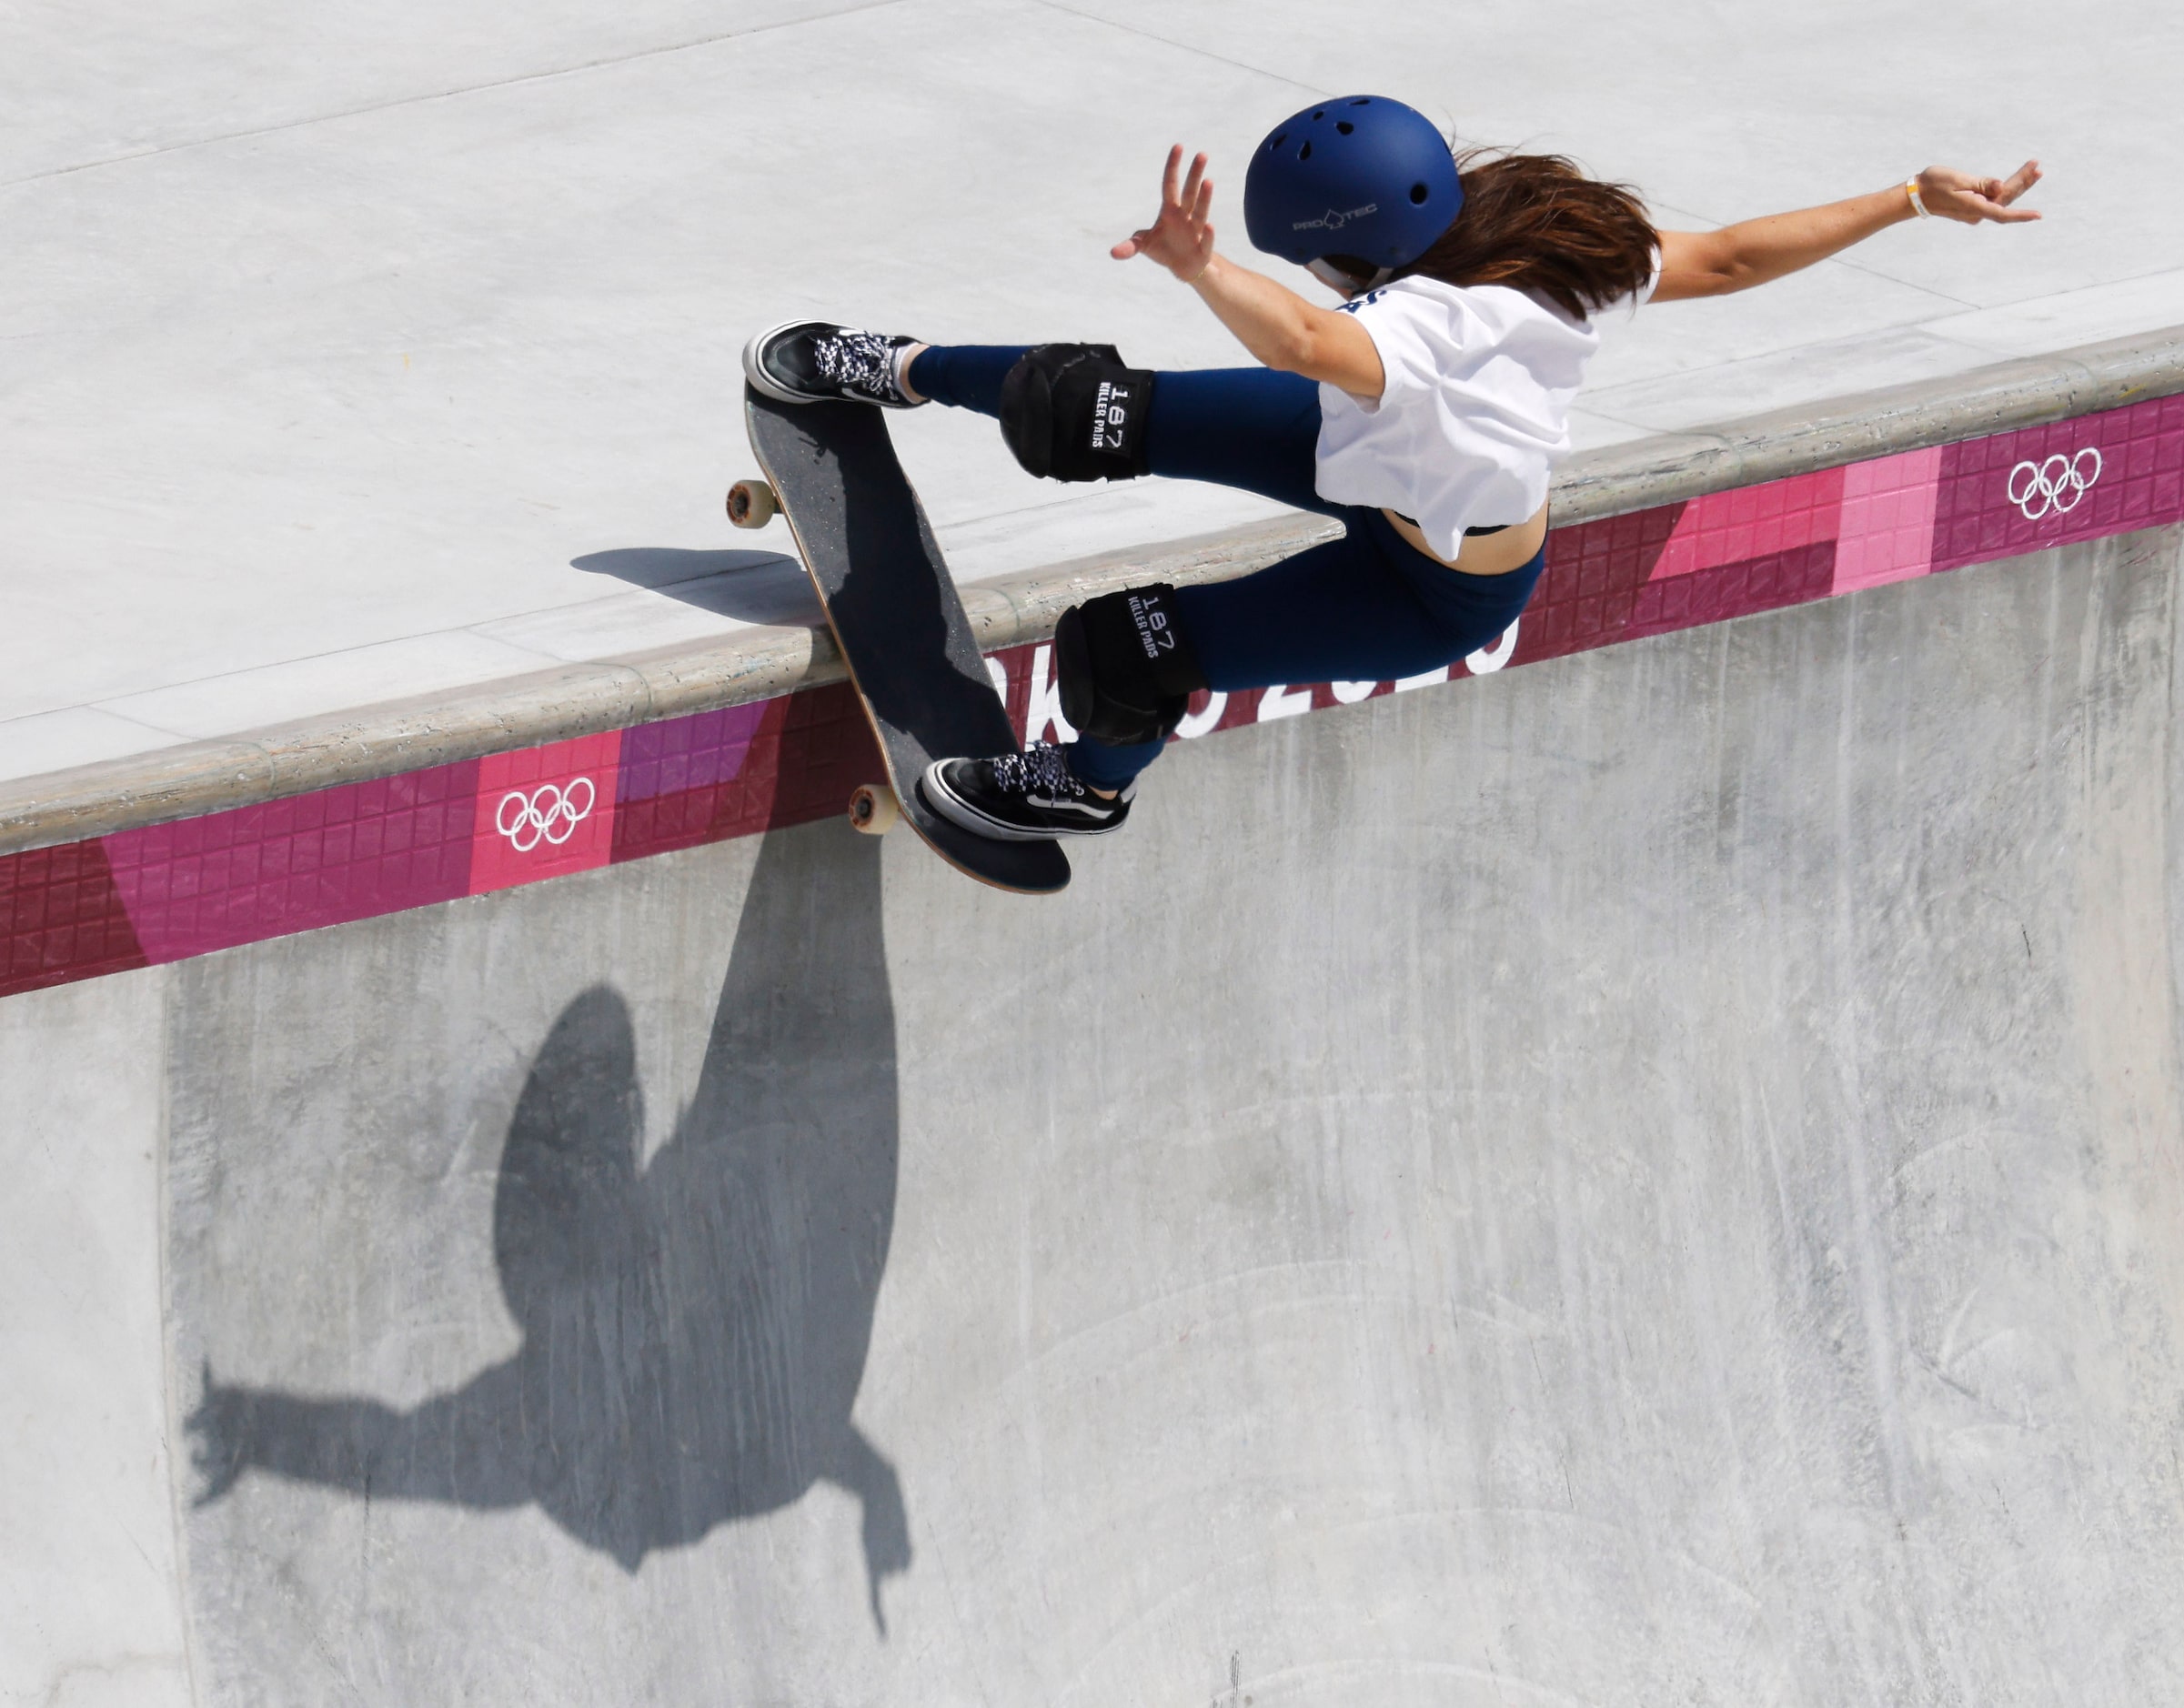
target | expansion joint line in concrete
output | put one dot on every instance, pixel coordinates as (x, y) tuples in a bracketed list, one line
[(1184, 47), (553, 74)]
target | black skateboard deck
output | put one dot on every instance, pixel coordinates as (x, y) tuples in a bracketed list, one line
[(873, 558)]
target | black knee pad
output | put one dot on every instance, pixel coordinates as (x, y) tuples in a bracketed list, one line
[(1125, 667), (1073, 412)]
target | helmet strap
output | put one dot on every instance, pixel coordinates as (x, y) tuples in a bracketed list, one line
[(1331, 275), (1336, 279)]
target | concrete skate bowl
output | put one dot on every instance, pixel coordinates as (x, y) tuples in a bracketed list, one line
[(1649, 1176)]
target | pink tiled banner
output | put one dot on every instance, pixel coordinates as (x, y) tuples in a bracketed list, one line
[(545, 811), (2050, 486), (294, 865)]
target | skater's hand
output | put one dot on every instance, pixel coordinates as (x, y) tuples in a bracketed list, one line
[(1270, 320), (1181, 239), (1953, 194)]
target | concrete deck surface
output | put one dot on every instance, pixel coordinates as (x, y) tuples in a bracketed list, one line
[(344, 358), (1649, 1179)]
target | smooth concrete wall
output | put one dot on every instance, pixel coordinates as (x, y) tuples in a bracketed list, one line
[(1648, 1179), (91, 1612)]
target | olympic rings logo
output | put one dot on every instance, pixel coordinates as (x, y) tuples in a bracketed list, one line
[(2055, 487), (551, 814)]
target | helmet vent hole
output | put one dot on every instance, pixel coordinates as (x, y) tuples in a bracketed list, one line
[(1277, 142), (1305, 152), (1344, 126), (1362, 100), (1320, 113), (1418, 195)]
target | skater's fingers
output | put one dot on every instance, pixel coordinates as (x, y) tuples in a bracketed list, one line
[(1202, 209), (1971, 206), (1136, 243), (1969, 200), (2018, 181), (1189, 199), (1168, 176)]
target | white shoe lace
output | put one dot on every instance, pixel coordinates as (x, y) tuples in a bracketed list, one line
[(1041, 765), (861, 361)]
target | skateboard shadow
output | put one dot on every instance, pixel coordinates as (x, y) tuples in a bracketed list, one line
[(695, 1330), (753, 587)]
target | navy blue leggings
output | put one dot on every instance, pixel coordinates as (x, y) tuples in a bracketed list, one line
[(1367, 607)]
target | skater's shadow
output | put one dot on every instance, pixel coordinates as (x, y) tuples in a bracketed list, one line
[(694, 1330), (753, 587)]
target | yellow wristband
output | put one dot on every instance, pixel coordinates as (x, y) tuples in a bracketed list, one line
[(1917, 202)]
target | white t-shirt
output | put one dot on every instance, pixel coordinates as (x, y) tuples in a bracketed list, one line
[(1475, 414)]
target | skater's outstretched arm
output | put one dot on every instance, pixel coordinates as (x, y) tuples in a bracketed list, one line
[(1272, 322), (1753, 251)]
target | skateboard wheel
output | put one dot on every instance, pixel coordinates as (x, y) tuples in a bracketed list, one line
[(873, 809), (752, 504)]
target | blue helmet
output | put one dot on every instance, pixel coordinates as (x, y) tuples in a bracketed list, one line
[(1360, 176)]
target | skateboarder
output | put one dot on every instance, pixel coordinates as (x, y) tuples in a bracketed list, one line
[(1426, 412)]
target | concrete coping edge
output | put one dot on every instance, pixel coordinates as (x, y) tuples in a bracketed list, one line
[(395, 737)]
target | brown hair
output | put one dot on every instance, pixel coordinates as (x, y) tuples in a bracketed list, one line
[(1536, 223)]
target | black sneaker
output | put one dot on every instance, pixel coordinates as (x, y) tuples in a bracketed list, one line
[(815, 361), (1021, 797)]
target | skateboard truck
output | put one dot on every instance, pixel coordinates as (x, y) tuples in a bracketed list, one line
[(752, 504)]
